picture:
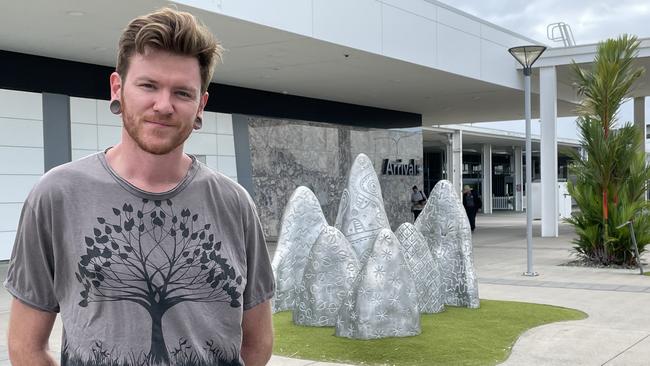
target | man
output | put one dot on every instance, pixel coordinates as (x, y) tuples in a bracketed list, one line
[(150, 257), (472, 204), (418, 200)]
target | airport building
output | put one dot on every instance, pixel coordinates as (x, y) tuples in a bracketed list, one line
[(305, 86)]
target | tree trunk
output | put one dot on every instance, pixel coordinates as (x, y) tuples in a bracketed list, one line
[(158, 353)]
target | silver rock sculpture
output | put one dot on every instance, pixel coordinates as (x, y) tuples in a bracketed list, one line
[(425, 271), (302, 223), (332, 266), (361, 213), (444, 224), (360, 276), (383, 301)]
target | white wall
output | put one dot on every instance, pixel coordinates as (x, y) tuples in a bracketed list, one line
[(21, 158), (95, 128), (216, 142)]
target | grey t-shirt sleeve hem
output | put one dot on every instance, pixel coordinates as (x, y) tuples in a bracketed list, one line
[(254, 302), (15, 293)]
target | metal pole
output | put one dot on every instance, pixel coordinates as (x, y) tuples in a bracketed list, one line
[(636, 247), (529, 177), (630, 225)]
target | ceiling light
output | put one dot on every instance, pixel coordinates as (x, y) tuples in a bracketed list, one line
[(75, 13)]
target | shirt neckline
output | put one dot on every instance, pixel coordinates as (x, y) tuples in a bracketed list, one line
[(189, 176)]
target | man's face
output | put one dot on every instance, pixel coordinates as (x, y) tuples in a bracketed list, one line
[(161, 98)]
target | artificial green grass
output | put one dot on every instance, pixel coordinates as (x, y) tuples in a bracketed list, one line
[(458, 336)]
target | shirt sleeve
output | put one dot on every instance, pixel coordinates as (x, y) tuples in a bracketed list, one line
[(30, 276), (260, 285)]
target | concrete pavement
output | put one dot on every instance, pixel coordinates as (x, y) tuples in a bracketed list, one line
[(617, 331)]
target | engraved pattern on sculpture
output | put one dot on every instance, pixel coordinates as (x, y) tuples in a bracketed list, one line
[(444, 224), (332, 266), (383, 302), (424, 269), (361, 214), (302, 222)]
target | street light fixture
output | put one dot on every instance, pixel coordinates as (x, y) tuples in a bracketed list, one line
[(526, 56)]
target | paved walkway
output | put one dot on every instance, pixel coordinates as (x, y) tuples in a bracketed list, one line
[(617, 331)]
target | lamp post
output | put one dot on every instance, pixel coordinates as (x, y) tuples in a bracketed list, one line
[(526, 56)]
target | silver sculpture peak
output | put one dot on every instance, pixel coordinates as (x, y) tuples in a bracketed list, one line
[(361, 212), (444, 224), (332, 266), (424, 270), (383, 301), (302, 223)]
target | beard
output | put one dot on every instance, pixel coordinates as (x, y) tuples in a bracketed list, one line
[(156, 142)]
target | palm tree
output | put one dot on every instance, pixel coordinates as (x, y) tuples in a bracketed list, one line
[(612, 178)]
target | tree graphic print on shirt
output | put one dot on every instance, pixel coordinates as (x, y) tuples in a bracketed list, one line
[(157, 259)]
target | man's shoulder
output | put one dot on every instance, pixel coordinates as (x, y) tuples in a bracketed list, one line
[(226, 186), (65, 173), (67, 177)]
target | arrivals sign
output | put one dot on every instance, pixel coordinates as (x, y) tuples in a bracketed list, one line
[(398, 167)]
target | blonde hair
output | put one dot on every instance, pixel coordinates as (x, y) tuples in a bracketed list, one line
[(172, 31)]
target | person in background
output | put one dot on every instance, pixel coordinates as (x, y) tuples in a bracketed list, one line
[(472, 204), (418, 200)]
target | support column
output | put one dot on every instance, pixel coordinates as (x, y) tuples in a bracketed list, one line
[(519, 181), (243, 153), (639, 122), (487, 178), (548, 150), (455, 160), (57, 130), (449, 158), (639, 118)]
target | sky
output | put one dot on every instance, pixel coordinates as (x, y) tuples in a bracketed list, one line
[(590, 22)]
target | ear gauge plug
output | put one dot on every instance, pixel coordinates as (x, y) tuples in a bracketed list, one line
[(198, 123), (115, 106)]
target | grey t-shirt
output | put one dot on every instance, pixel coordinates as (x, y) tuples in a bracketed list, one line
[(141, 278)]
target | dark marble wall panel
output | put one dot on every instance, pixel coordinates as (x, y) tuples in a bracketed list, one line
[(286, 154)]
